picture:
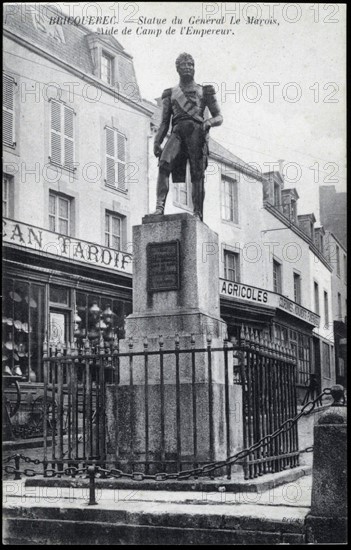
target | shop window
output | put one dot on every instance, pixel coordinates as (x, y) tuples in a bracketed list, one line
[(297, 288), (231, 266), (277, 277), (229, 200), (60, 213), (97, 317), (116, 145), (301, 347), (62, 135), (23, 328)]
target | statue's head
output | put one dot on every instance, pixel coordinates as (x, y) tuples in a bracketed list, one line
[(185, 66)]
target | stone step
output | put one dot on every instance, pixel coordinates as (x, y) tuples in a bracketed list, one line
[(53, 531), (148, 522)]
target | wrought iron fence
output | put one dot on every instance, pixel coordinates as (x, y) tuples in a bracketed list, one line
[(269, 398), (167, 408)]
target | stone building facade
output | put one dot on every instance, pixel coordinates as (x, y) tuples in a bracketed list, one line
[(75, 182)]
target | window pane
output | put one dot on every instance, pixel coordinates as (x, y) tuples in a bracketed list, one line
[(116, 241), (59, 295), (63, 227), (37, 320), (52, 204), (116, 226), (63, 208), (52, 223)]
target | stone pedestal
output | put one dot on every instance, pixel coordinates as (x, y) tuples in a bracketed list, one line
[(186, 405), (327, 520), (193, 308)]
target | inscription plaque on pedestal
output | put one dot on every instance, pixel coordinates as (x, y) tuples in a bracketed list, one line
[(163, 266)]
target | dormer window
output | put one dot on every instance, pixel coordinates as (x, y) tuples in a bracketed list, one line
[(106, 68)]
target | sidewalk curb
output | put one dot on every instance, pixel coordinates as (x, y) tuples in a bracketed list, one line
[(252, 486)]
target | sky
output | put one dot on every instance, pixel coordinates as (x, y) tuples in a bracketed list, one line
[(281, 83)]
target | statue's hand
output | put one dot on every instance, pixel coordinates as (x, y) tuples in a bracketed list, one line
[(206, 126), (157, 150)]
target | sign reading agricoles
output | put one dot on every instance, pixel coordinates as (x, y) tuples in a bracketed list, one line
[(163, 266), (64, 247), (265, 297)]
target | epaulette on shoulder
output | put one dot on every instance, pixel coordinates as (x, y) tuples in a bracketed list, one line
[(209, 89), (167, 93)]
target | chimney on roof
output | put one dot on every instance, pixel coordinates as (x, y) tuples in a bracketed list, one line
[(281, 164)]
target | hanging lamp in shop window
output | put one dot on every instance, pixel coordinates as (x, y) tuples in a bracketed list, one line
[(15, 297), (32, 303), (95, 310), (108, 313)]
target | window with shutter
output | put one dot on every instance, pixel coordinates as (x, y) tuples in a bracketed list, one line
[(62, 135), (115, 159), (8, 112)]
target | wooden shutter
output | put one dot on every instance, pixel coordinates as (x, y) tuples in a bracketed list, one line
[(56, 133), (110, 157), (121, 161), (8, 111), (62, 134), (68, 138)]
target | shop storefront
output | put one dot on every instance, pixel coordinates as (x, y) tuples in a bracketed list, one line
[(274, 316), (60, 289)]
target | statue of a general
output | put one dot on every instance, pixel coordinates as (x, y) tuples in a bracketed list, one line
[(185, 104)]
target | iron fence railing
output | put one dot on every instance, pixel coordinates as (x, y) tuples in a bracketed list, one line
[(164, 410)]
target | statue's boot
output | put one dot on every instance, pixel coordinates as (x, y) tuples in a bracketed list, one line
[(158, 211)]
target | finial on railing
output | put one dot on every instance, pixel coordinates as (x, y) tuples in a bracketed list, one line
[(209, 339), (130, 342), (177, 341), (337, 393), (146, 343), (160, 341)]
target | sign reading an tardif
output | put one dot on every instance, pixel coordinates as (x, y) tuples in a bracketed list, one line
[(48, 243), (256, 295), (163, 266)]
